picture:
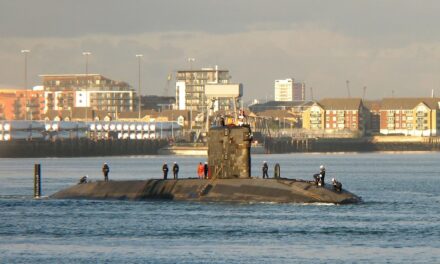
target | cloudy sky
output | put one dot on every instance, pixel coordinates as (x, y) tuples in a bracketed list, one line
[(389, 46)]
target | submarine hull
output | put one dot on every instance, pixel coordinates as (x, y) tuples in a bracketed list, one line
[(212, 190)]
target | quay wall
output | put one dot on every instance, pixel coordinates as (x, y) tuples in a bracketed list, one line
[(289, 145), (79, 147)]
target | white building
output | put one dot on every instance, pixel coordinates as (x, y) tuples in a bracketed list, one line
[(65, 91), (287, 90), (190, 87)]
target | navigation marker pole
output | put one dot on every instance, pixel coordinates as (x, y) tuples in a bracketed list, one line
[(37, 180)]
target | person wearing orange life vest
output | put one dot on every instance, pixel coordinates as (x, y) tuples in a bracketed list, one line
[(200, 170)]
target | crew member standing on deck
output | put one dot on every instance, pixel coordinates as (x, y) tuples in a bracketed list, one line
[(337, 185), (105, 171), (205, 170), (265, 169), (165, 170), (200, 170), (322, 174), (319, 177), (175, 170)]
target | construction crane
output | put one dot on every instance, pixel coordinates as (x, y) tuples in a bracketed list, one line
[(311, 93), (347, 82)]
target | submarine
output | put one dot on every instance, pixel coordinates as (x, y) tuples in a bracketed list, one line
[(229, 180)]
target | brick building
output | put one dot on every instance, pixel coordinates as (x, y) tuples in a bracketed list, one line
[(333, 115), (21, 104), (410, 116)]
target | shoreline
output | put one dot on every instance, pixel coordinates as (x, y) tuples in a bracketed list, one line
[(124, 147)]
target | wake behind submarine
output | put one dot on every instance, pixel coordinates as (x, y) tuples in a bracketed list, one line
[(230, 180)]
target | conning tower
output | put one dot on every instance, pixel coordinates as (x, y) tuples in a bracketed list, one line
[(229, 149)]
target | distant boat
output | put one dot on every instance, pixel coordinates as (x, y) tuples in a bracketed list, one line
[(185, 149)]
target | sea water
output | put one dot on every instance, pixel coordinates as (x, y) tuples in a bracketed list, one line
[(398, 222)]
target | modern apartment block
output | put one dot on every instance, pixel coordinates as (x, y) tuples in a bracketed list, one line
[(66, 91), (190, 87), (288, 90), (410, 116), (332, 115), (299, 91), (21, 104)]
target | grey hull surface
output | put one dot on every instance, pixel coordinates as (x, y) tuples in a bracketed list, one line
[(213, 190)]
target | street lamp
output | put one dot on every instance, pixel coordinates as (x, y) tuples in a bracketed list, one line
[(190, 60), (86, 54), (25, 52), (139, 56)]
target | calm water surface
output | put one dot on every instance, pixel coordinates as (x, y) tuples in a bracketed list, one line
[(397, 223)]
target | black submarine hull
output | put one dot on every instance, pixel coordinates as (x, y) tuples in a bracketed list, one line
[(251, 190)]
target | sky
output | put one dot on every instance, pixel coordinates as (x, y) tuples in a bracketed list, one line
[(391, 47)]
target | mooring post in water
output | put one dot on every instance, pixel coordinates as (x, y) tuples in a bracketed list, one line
[(37, 181), (277, 171)]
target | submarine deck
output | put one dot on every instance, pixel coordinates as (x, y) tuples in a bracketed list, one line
[(279, 190)]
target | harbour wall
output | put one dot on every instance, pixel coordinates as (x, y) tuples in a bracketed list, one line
[(79, 147), (288, 145)]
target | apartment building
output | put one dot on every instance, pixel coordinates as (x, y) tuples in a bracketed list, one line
[(373, 112), (410, 116), (333, 115), (190, 87), (299, 91), (21, 104), (288, 90), (67, 91)]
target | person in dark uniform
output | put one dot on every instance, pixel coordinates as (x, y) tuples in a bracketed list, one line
[(175, 170), (83, 179), (322, 174), (222, 121), (265, 169), (105, 171), (337, 185), (319, 177), (165, 170), (205, 170)]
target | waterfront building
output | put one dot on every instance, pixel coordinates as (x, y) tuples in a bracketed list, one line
[(373, 122), (299, 91), (288, 90), (410, 116), (66, 91), (295, 106), (21, 104), (158, 103), (77, 114), (182, 117), (336, 115), (190, 87)]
